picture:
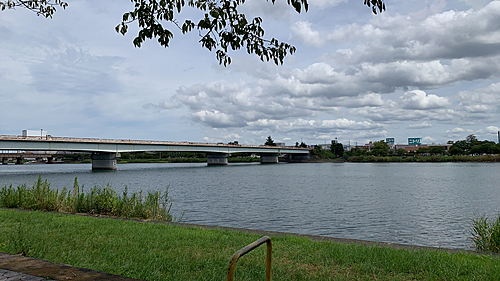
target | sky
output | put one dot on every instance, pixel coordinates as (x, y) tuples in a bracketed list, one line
[(427, 69)]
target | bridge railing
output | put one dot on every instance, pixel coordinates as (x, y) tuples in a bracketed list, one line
[(125, 141)]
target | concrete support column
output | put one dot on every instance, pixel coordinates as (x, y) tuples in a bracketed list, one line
[(104, 161), (19, 161), (269, 158), (217, 158), (5, 161)]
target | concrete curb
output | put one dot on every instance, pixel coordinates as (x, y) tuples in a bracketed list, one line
[(54, 271)]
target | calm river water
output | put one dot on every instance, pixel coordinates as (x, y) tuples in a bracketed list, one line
[(429, 204)]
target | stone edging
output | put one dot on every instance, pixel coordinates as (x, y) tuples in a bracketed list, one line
[(55, 271)]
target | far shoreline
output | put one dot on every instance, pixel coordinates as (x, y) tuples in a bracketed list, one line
[(351, 159)]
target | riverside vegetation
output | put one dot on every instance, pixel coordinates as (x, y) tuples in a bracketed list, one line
[(486, 234), (174, 252), (98, 200)]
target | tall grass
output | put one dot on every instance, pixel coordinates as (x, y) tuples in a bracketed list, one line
[(486, 234), (98, 200)]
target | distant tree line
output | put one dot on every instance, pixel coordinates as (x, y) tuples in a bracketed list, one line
[(472, 146)]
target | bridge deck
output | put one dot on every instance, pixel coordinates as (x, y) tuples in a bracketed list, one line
[(9, 142)]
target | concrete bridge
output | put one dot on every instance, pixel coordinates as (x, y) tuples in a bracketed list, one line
[(106, 151)]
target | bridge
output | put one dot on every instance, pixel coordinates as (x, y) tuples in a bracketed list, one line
[(106, 151)]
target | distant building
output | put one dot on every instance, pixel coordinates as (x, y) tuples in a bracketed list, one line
[(325, 146), (415, 147), (280, 144)]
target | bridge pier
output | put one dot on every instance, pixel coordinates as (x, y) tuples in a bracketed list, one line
[(217, 158), (19, 161), (104, 160), (269, 158), (5, 161)]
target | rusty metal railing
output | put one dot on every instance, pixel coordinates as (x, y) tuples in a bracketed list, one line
[(247, 249)]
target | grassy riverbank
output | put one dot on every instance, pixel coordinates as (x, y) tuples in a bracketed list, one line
[(157, 251)]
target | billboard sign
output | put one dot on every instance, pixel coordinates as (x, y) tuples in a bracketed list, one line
[(389, 141), (414, 141)]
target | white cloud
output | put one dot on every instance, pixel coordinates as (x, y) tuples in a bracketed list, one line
[(481, 101), (325, 3), (492, 129), (446, 35), (458, 133), (420, 100), (302, 30), (428, 139), (215, 117), (370, 135), (422, 125), (232, 137), (348, 124)]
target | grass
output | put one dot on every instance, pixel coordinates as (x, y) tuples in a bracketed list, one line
[(98, 200), (486, 234), (163, 251)]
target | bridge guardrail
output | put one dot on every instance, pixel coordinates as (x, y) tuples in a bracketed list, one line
[(123, 141)]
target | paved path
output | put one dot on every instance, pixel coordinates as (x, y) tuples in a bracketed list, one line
[(7, 275)]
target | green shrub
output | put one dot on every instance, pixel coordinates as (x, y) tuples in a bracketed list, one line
[(486, 234)]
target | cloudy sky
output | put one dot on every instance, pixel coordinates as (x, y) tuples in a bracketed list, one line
[(428, 69)]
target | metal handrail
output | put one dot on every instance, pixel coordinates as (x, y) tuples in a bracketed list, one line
[(243, 251)]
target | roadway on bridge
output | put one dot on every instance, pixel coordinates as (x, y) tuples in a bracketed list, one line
[(105, 151)]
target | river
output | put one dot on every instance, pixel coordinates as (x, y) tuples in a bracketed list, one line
[(427, 204)]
